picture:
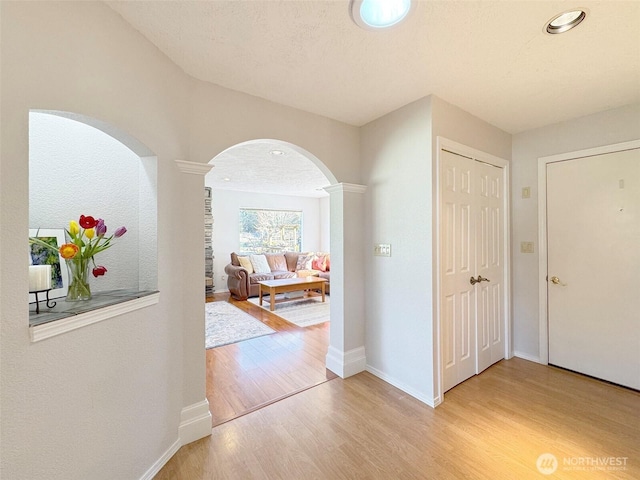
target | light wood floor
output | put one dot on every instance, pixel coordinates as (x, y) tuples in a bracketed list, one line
[(493, 426), (248, 375)]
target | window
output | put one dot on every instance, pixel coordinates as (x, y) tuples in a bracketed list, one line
[(265, 231)]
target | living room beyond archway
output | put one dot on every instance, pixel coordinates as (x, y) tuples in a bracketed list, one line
[(270, 223)]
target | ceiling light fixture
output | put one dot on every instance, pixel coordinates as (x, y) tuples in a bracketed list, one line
[(226, 179), (379, 14), (276, 152), (565, 21)]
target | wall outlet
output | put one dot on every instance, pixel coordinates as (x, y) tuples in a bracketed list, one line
[(526, 247), (382, 249), (223, 278)]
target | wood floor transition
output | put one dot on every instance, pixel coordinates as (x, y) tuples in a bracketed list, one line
[(245, 376), (503, 424)]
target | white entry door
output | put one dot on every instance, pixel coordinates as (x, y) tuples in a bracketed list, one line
[(472, 215), (593, 242)]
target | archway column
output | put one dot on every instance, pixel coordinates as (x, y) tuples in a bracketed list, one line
[(346, 353), (195, 417)]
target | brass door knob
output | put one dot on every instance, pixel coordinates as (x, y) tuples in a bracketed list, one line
[(480, 278), (556, 281)]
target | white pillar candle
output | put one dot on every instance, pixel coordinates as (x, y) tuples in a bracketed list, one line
[(39, 277)]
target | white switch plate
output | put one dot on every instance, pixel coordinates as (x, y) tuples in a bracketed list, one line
[(382, 249), (526, 247)]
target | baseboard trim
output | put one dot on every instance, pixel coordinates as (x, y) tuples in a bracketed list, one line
[(432, 402), (526, 356), (162, 461), (195, 422), (346, 364)]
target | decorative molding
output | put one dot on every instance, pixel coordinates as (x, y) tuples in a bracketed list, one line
[(195, 422), (346, 187), (64, 325), (194, 168), (346, 364), (432, 402), (162, 461)]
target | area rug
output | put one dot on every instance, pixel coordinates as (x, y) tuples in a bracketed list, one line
[(304, 312), (227, 324)]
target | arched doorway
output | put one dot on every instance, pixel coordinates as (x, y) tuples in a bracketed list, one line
[(266, 174)]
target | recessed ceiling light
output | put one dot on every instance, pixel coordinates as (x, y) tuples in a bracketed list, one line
[(276, 152), (565, 21), (226, 179), (379, 14)]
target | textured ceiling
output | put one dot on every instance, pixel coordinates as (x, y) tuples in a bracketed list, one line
[(490, 58), (251, 167)]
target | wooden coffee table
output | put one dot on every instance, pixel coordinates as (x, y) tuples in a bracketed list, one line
[(273, 287)]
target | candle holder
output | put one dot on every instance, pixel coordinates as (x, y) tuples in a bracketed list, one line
[(49, 301)]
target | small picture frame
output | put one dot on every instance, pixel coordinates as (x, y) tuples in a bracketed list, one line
[(43, 256)]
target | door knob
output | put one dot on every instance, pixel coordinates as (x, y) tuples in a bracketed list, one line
[(473, 281), (556, 281)]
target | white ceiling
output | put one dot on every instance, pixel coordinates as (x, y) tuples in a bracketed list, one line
[(490, 58), (251, 167)]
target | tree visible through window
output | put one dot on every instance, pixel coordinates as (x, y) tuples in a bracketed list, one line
[(265, 231)]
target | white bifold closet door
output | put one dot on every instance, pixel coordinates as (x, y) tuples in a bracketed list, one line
[(472, 248), (593, 243)]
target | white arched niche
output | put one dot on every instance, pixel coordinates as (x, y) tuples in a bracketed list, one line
[(82, 166)]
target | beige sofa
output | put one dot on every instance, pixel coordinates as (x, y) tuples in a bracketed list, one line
[(242, 279)]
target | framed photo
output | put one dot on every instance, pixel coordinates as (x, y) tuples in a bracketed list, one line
[(43, 256)]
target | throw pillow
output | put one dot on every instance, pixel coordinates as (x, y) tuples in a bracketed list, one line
[(277, 262), (260, 264), (304, 262), (245, 263), (318, 264)]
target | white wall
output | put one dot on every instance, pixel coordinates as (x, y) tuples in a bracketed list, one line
[(245, 118), (325, 221), (399, 152), (226, 206), (76, 169), (605, 128), (105, 401), (396, 155)]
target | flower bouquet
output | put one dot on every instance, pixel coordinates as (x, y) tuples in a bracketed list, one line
[(86, 238)]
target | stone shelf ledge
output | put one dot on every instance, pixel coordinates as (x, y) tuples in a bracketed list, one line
[(67, 316)]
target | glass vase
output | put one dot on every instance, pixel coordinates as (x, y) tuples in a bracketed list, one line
[(79, 289)]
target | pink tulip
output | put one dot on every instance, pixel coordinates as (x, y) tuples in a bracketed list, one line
[(120, 232), (101, 228)]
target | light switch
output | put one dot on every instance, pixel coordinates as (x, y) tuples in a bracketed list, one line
[(526, 192), (526, 247), (382, 249)]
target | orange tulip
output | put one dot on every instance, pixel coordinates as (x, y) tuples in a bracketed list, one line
[(68, 251)]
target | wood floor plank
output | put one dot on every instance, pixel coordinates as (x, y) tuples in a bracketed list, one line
[(247, 375), (493, 426)]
